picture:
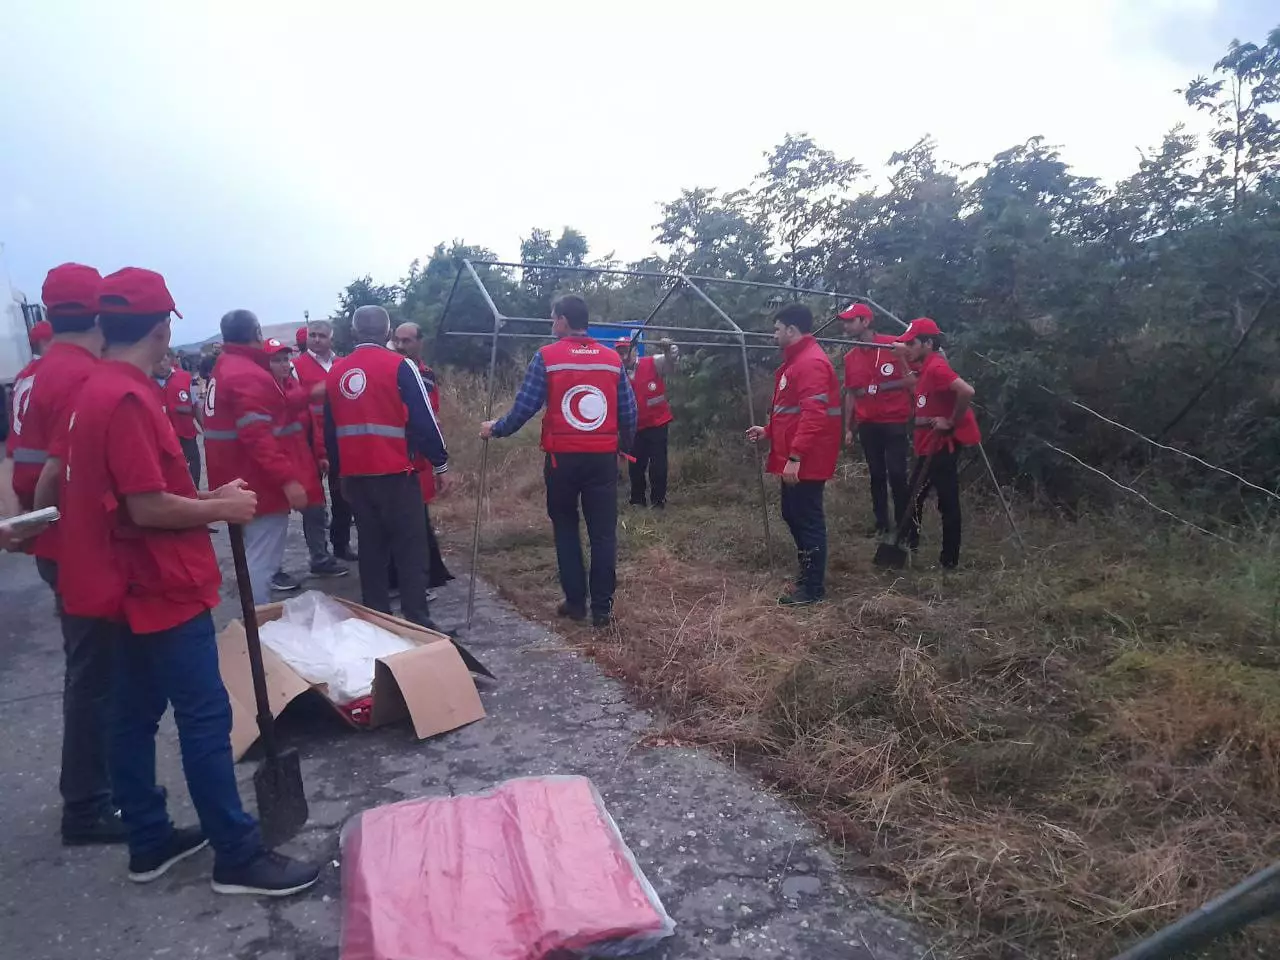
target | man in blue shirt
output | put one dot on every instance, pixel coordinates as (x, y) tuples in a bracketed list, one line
[(590, 418)]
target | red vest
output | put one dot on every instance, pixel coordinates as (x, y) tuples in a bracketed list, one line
[(582, 396), (370, 417), (18, 403), (309, 374), (179, 405), (651, 395)]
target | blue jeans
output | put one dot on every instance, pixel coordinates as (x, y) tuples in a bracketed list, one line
[(178, 666)]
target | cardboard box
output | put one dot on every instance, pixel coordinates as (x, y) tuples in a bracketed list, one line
[(429, 684)]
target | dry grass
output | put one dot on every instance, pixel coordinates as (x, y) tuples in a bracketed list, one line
[(1045, 755)]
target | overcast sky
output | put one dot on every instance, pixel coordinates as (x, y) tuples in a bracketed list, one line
[(262, 154)]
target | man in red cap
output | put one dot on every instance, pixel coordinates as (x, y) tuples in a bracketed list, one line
[(304, 439), (143, 558), (176, 389), (41, 415), (653, 417), (944, 422), (877, 409), (804, 444), (244, 410)]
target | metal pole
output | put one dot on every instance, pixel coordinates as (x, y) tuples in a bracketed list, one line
[(751, 415), (565, 268), (484, 448), (656, 307), (1256, 897), (1008, 514), (448, 303), (684, 343)]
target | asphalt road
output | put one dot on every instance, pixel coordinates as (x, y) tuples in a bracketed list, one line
[(736, 867)]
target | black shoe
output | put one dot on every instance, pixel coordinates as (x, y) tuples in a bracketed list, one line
[(798, 599), (570, 612), (329, 567), (346, 554), (108, 828), (269, 874), (281, 582), (181, 844), (599, 621)]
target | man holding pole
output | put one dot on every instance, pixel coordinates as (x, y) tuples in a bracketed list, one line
[(653, 416), (144, 564), (877, 408), (590, 418), (944, 422), (804, 444)]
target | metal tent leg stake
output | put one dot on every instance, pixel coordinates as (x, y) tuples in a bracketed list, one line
[(491, 387), (1008, 514), (764, 494)]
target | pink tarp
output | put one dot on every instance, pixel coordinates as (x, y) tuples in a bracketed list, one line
[(533, 869)]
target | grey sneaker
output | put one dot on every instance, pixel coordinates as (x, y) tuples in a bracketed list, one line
[(281, 582), (329, 567)]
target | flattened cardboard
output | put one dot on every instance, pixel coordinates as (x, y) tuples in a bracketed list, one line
[(430, 684)]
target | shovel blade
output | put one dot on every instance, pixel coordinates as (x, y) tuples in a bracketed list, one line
[(890, 555), (282, 801), (468, 658)]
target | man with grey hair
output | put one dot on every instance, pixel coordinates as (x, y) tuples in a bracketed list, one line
[(377, 420), (312, 366)]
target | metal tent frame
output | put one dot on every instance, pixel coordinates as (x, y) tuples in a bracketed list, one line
[(677, 281)]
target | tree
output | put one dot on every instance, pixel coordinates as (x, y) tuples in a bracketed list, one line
[(360, 292), (1245, 135), (799, 196)]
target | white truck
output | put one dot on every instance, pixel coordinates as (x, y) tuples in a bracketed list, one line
[(17, 317)]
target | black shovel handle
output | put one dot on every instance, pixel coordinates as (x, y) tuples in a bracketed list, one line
[(913, 495), (266, 722)]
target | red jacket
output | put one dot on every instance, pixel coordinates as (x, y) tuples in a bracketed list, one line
[(369, 417), (244, 412), (42, 426), (298, 436), (651, 395), (805, 416), (310, 373), (154, 579), (868, 371), (179, 405), (582, 390), (935, 398), (18, 402)]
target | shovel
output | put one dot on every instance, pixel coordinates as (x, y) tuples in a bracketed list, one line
[(282, 801), (891, 553)]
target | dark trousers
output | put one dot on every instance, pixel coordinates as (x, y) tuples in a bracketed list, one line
[(178, 666), (943, 477), (191, 450), (802, 512), (392, 526), (650, 451), (591, 478), (340, 521), (885, 447), (437, 573), (89, 649)]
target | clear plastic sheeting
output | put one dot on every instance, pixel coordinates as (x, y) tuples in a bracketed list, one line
[(325, 643), (534, 869)]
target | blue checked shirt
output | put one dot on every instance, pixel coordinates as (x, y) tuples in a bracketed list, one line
[(533, 397)]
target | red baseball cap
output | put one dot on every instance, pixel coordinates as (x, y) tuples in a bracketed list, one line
[(271, 346), (300, 337), (135, 290), (71, 289), (857, 311), (623, 342), (920, 327), (42, 332)]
